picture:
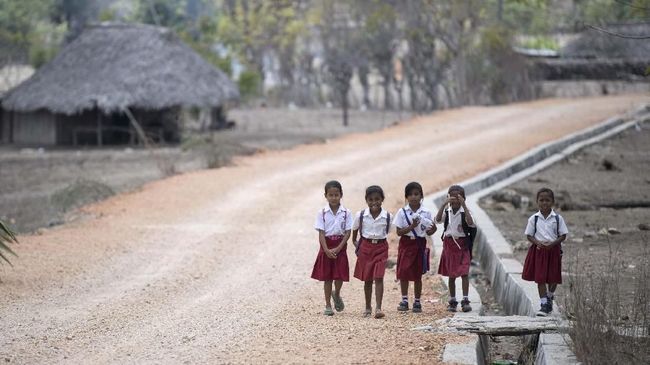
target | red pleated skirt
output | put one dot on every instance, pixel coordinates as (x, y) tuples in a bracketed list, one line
[(543, 266), (410, 258), (454, 261), (371, 262), (326, 269)]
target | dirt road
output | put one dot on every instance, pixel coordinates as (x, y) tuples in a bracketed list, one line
[(213, 266)]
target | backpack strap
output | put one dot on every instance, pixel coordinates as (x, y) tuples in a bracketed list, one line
[(409, 222), (557, 224), (446, 224), (387, 223), (361, 224)]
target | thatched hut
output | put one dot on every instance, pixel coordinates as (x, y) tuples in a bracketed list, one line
[(110, 75)]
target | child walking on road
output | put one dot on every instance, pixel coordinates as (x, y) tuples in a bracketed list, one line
[(457, 237), (546, 230), (333, 223), (413, 223), (372, 224)]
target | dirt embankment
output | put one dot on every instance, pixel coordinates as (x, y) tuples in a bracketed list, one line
[(213, 266), (603, 192), (38, 187)]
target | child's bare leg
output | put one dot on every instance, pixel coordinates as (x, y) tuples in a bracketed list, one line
[(452, 287), (404, 285), (327, 287), (552, 287), (465, 280), (367, 289), (379, 292), (337, 287), (417, 288), (541, 289)]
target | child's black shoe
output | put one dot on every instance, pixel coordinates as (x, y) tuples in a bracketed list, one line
[(404, 306), (464, 305), (451, 307), (545, 309), (417, 307)]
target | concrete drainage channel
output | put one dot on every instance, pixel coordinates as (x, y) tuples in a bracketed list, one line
[(517, 297)]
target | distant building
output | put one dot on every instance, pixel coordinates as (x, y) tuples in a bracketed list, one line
[(110, 74)]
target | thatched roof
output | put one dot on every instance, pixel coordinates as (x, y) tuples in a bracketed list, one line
[(113, 66), (13, 75), (594, 44)]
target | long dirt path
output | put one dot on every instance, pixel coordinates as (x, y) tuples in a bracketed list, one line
[(213, 266)]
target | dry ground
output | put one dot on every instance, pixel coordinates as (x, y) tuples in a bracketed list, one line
[(593, 199), (213, 266)]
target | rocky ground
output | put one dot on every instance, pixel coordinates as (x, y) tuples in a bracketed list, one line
[(213, 266)]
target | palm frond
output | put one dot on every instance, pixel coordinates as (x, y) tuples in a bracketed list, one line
[(7, 236)]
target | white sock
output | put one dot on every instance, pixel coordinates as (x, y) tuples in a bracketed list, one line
[(405, 298), (417, 300), (543, 300), (453, 298), (465, 298), (550, 295)]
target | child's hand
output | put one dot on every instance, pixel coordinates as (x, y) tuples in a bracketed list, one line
[(460, 199), (432, 230), (330, 254), (415, 223)]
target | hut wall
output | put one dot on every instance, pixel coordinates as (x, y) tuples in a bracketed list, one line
[(34, 128), (83, 124)]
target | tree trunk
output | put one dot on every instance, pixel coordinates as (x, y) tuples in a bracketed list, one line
[(344, 105)]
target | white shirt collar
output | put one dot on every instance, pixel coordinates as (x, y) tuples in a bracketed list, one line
[(408, 208), (552, 214), (383, 214), (451, 210), (328, 208)]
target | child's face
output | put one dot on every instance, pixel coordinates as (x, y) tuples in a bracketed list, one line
[(545, 202), (374, 201), (453, 198), (333, 196), (414, 197)]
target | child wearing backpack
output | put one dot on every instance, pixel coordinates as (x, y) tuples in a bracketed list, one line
[(457, 239), (546, 230), (372, 225), (333, 223), (413, 223)]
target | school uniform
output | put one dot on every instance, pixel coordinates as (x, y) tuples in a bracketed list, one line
[(373, 246), (544, 266), (455, 257), (412, 253), (334, 226)]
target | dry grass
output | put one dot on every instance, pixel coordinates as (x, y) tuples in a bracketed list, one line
[(610, 326)]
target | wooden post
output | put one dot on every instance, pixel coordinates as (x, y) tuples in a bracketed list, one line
[(99, 127), (12, 116)]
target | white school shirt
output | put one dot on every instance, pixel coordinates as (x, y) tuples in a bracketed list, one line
[(546, 227), (426, 220), (373, 228), (455, 227), (333, 225)]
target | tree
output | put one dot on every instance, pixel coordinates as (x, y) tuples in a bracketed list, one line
[(341, 45)]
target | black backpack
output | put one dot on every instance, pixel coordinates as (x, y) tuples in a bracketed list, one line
[(470, 232)]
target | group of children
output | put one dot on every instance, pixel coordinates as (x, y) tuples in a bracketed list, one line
[(370, 228)]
